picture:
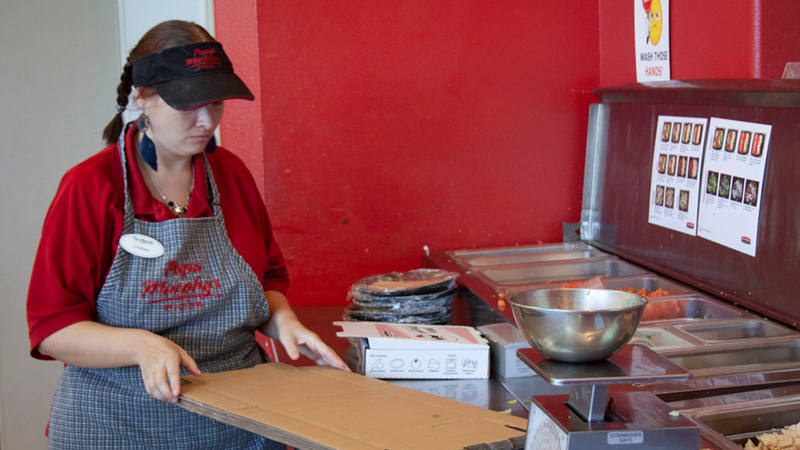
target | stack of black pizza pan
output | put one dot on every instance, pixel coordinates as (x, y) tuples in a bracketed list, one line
[(418, 296)]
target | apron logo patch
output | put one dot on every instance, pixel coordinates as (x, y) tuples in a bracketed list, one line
[(184, 294)]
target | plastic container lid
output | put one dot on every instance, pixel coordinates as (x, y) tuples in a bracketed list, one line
[(413, 282)]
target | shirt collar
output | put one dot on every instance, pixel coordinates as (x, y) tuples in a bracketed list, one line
[(151, 209)]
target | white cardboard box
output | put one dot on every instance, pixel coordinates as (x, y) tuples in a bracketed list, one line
[(415, 351)]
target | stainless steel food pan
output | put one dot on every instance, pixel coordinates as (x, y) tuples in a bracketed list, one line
[(660, 339), (732, 330), (467, 259), (692, 307), (731, 427), (556, 272), (519, 249), (751, 357)]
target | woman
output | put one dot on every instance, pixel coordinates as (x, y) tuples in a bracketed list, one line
[(157, 253)]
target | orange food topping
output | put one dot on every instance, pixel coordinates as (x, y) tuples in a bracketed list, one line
[(643, 292)]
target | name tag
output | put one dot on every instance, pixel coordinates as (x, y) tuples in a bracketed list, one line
[(141, 245)]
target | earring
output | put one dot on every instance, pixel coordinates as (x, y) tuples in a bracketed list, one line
[(146, 147), (211, 147), (143, 123), (148, 150)]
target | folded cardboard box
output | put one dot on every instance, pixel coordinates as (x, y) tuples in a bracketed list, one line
[(414, 351), (321, 408)]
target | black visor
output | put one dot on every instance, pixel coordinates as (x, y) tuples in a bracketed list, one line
[(191, 75)]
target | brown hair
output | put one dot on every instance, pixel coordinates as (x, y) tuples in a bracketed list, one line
[(171, 33)]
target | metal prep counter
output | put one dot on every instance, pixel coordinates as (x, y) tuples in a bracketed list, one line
[(730, 318)]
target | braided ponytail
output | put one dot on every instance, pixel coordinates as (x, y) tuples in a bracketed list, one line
[(171, 33), (114, 128)]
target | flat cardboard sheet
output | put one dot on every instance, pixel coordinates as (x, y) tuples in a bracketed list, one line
[(319, 407)]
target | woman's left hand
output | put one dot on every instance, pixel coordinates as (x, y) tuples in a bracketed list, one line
[(297, 339), (284, 325)]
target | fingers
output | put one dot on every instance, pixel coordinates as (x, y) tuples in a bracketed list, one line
[(333, 361), (327, 357), (157, 379), (160, 361), (294, 340), (174, 373), (164, 382), (174, 377), (189, 363), (314, 348), (290, 345), (297, 339)]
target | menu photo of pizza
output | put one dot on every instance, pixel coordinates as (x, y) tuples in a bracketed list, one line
[(728, 211)]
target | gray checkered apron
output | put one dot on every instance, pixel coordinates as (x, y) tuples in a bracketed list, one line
[(200, 294)]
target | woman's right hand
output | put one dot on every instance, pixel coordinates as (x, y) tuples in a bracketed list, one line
[(92, 345), (160, 360)]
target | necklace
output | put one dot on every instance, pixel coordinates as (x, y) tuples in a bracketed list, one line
[(177, 209)]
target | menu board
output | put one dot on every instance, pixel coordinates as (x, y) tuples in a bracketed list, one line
[(733, 167), (675, 183)]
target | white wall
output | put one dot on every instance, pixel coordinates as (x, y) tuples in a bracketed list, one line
[(59, 67), (60, 63)]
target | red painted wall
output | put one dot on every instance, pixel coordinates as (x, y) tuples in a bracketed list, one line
[(241, 130), (381, 127), (394, 125), (730, 39)]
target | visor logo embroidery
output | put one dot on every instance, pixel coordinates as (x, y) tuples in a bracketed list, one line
[(203, 59), (184, 294)]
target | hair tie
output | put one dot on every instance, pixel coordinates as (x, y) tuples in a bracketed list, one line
[(120, 109)]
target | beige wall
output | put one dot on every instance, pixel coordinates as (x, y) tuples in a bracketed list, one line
[(59, 67)]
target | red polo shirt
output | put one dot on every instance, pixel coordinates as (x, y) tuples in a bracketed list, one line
[(84, 224)]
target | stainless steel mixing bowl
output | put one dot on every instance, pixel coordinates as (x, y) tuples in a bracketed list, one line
[(577, 325)]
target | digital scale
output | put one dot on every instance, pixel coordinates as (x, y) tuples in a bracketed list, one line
[(591, 419)]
